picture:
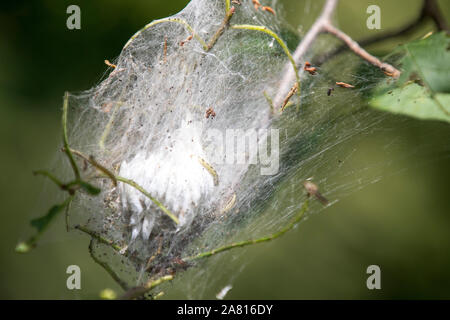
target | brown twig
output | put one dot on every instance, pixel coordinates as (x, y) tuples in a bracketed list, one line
[(222, 28), (356, 48), (101, 239), (165, 50), (323, 24), (301, 50), (429, 9), (105, 266), (293, 90), (153, 257), (94, 163)]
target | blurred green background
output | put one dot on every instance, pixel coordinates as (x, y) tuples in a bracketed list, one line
[(400, 223)]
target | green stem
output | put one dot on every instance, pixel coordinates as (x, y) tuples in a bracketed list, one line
[(227, 5), (175, 20), (116, 178), (141, 290), (107, 268), (269, 101), (66, 214), (158, 295), (144, 192), (103, 169), (273, 236), (70, 187), (47, 174), (280, 42), (100, 239), (105, 133), (97, 165), (26, 246), (65, 139), (221, 29)]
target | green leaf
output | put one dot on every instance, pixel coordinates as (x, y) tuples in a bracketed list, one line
[(42, 223), (423, 89), (415, 101), (428, 60), (89, 188)]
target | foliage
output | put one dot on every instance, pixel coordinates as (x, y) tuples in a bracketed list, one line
[(423, 89)]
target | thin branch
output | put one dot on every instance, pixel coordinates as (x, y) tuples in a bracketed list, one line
[(72, 186), (65, 139), (158, 295), (108, 269), (175, 20), (222, 28), (148, 195), (47, 174), (108, 127), (371, 40), (227, 5), (294, 89), (104, 170), (101, 239), (115, 178), (97, 165), (139, 291), (148, 265), (291, 58), (305, 44), (41, 224), (229, 11), (241, 244), (66, 214), (269, 101), (323, 24), (429, 9), (356, 48)]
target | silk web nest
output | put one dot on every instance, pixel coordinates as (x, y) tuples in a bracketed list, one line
[(178, 84)]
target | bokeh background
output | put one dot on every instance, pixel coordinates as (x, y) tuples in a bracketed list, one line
[(400, 223)]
